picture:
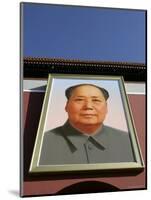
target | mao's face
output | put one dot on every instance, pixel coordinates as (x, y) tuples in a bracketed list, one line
[(86, 106)]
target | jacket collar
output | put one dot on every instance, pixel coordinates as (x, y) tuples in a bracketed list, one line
[(76, 138)]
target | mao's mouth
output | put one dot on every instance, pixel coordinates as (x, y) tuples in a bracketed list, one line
[(88, 115)]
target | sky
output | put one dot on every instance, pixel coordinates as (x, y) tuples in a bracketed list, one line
[(85, 33)]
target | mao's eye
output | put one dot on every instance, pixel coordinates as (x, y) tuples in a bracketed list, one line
[(97, 100), (79, 99)]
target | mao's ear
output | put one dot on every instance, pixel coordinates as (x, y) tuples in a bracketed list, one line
[(66, 107), (106, 107)]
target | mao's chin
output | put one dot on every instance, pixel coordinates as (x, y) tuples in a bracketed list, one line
[(89, 121)]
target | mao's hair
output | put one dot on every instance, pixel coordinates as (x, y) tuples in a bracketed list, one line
[(69, 91)]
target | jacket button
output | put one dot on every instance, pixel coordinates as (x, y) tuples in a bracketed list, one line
[(90, 147)]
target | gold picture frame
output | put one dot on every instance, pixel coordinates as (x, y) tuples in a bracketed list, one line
[(136, 165)]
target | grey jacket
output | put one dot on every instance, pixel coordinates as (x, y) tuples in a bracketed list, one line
[(66, 145)]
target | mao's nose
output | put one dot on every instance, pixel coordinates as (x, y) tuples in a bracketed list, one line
[(88, 105)]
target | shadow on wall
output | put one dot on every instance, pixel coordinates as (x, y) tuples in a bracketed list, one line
[(88, 187)]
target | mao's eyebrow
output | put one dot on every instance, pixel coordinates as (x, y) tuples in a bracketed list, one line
[(85, 96), (95, 96), (79, 96)]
